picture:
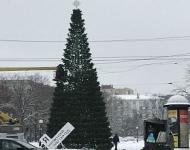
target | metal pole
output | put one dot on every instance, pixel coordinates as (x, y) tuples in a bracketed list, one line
[(35, 132), (40, 126), (40, 132), (137, 134)]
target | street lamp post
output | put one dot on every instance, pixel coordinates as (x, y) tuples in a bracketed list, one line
[(137, 128), (40, 126)]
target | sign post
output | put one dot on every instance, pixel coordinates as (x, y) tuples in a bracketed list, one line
[(44, 140), (58, 138)]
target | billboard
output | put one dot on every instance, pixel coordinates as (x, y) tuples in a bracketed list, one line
[(173, 126), (183, 114)]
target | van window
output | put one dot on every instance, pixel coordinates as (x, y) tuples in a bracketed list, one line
[(10, 145)]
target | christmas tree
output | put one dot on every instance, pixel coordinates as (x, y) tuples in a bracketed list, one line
[(77, 97)]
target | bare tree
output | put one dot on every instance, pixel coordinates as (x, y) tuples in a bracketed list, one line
[(29, 98)]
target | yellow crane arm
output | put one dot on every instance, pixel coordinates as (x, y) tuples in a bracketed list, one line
[(4, 118)]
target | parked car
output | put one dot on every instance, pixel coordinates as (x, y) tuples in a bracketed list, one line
[(15, 144)]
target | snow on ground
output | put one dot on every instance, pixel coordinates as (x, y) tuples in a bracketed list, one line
[(130, 143), (127, 143), (36, 144)]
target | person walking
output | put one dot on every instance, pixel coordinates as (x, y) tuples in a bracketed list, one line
[(115, 140)]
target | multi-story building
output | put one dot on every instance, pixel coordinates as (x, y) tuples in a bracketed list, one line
[(145, 105), (127, 111)]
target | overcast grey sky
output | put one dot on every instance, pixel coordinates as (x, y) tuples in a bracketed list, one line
[(104, 20)]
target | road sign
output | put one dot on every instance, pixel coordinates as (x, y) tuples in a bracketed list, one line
[(44, 140), (58, 138)]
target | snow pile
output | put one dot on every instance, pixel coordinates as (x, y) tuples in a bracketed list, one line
[(177, 100)]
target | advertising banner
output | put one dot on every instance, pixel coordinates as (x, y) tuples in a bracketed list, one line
[(183, 114), (173, 125)]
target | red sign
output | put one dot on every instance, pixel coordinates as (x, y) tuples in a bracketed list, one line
[(183, 115)]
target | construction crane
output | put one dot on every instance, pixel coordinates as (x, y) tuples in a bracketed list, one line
[(10, 127)]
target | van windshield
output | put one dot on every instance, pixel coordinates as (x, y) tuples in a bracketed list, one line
[(26, 144)]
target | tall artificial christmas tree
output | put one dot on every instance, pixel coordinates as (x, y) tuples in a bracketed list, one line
[(77, 97)]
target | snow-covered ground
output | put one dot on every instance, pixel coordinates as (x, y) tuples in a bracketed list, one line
[(130, 143), (127, 143)]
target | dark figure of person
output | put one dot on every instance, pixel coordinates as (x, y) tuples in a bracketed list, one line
[(171, 141), (115, 140)]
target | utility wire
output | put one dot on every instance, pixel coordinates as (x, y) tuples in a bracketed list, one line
[(145, 84), (149, 56), (119, 59), (116, 61), (139, 66), (153, 60), (128, 61), (145, 39), (169, 38)]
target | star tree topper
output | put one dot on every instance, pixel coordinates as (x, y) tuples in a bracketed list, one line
[(76, 3)]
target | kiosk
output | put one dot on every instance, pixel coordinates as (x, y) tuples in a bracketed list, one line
[(177, 120)]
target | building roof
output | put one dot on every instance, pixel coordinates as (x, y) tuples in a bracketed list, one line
[(177, 100), (136, 97)]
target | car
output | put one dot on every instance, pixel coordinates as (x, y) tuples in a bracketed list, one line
[(15, 144)]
